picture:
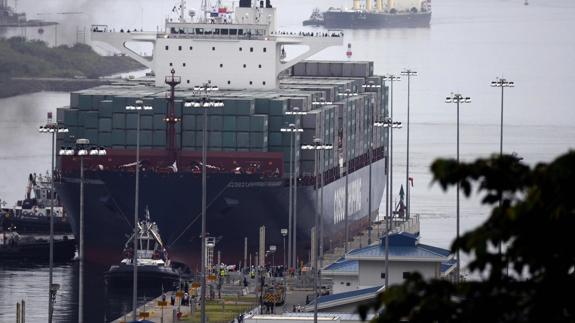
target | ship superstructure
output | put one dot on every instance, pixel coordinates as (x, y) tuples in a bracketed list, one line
[(248, 160), (239, 51)]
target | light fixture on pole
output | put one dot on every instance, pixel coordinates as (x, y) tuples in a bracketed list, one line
[(138, 107), (291, 130), (346, 95), (317, 147), (367, 86), (295, 162), (389, 124), (52, 128), (457, 99), (81, 150), (204, 102), (409, 73), (502, 83)]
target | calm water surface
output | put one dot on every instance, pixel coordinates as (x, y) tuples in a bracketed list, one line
[(469, 44)]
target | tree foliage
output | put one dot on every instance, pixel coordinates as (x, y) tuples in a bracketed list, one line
[(532, 279), (21, 58)]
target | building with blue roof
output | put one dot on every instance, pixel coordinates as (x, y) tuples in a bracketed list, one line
[(364, 268)]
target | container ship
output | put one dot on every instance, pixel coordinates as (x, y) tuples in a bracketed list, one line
[(392, 14), (248, 155)]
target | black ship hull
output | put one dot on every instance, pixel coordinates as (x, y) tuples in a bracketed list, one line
[(237, 206), (36, 224), (149, 278), (64, 250), (360, 19)]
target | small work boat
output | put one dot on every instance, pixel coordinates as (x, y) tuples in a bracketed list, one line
[(32, 214), (316, 18), (153, 264), (15, 247)]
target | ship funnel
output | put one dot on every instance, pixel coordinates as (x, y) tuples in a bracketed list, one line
[(368, 5), (379, 5), (356, 5), (245, 3)]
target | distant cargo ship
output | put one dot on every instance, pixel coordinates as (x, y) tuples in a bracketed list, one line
[(248, 158), (400, 14)]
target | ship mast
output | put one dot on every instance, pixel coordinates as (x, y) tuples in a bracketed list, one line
[(171, 118), (182, 11)]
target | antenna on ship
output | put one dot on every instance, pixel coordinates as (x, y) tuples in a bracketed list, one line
[(182, 11), (171, 118)]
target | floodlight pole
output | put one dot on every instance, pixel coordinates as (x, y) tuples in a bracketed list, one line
[(205, 103), (457, 99), (138, 107), (52, 128), (409, 73)]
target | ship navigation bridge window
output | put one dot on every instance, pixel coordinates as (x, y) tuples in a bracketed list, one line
[(167, 47), (179, 47)]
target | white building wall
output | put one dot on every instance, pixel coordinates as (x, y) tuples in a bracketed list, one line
[(344, 283), (46, 33), (232, 64), (370, 272)]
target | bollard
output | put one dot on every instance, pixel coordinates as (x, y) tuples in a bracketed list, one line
[(23, 319), (18, 313), (174, 315)]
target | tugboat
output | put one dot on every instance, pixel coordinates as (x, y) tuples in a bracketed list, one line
[(32, 214), (154, 266), (15, 247), (316, 19)]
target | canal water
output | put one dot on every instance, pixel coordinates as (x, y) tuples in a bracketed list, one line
[(469, 44)]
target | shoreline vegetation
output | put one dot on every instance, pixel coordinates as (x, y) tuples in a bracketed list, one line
[(31, 66)]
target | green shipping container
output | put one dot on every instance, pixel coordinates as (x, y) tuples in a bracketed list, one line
[(189, 123), (105, 124), (258, 140), (159, 138), (159, 122), (243, 123), (259, 123), (119, 121), (146, 138), (105, 139), (91, 134), (85, 102), (275, 138), (216, 123), (106, 108), (276, 123), (229, 139), (189, 140), (131, 120), (71, 117), (229, 123), (215, 139), (278, 107), (245, 107), (90, 119), (243, 139), (262, 106), (146, 122)]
